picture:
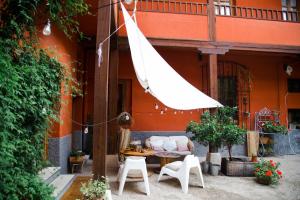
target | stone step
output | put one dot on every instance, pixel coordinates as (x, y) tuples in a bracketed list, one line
[(61, 184), (48, 174)]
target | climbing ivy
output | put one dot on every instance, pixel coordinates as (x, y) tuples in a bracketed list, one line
[(30, 90)]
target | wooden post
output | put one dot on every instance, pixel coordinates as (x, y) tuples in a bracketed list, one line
[(213, 76), (101, 91), (113, 102), (211, 20)]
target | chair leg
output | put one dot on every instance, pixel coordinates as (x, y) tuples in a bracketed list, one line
[(145, 176), (160, 174), (122, 181), (200, 175), (184, 182)]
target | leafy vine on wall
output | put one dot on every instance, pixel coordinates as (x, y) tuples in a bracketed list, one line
[(30, 90)]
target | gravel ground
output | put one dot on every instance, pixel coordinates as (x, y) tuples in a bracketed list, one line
[(217, 187)]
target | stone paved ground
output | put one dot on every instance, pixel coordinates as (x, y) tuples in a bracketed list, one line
[(218, 187)]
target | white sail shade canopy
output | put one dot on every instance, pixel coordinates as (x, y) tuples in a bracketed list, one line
[(158, 77)]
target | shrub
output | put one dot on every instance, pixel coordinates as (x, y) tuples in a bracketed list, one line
[(94, 189)]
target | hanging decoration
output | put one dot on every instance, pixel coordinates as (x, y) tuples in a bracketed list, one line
[(47, 28)]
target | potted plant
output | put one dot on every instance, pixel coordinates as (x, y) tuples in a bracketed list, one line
[(76, 156), (274, 127), (94, 189), (210, 132), (267, 172)]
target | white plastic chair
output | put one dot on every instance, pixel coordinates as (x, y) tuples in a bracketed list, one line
[(136, 163), (181, 171)]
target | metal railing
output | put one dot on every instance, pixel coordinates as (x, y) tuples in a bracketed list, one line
[(257, 13)]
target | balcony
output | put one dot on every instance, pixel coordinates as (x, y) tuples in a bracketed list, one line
[(181, 20)]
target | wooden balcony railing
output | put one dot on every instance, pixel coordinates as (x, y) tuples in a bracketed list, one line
[(257, 13), (171, 6), (194, 8)]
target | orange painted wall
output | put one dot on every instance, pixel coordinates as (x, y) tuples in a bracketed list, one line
[(170, 26), (269, 87), (66, 52), (146, 117), (269, 83), (231, 29)]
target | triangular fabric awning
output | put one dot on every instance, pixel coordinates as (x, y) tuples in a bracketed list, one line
[(158, 77)]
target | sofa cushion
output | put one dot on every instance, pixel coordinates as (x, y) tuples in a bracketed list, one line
[(170, 145), (157, 145), (163, 138), (180, 138), (182, 145)]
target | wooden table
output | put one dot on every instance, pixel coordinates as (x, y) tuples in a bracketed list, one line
[(135, 153), (165, 158)]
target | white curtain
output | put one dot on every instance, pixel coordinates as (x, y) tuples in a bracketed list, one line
[(158, 78)]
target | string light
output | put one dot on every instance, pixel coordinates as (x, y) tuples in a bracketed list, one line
[(86, 130), (99, 52), (166, 109), (175, 112), (156, 106), (47, 28), (161, 112)]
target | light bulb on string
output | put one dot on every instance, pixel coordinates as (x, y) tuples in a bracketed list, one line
[(161, 112), (166, 109), (86, 130), (175, 112), (156, 106), (47, 28), (99, 52)]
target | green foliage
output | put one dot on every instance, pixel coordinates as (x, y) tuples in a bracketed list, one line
[(94, 188), (208, 131), (267, 172), (217, 129), (273, 127), (76, 153), (30, 89)]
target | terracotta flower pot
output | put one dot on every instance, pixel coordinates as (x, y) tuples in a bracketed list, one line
[(264, 180)]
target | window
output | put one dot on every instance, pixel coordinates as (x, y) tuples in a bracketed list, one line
[(289, 8), (293, 85), (222, 7), (294, 118), (227, 87)]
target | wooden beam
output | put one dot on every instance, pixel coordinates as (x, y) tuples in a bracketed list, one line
[(213, 76), (101, 91), (211, 20), (123, 44)]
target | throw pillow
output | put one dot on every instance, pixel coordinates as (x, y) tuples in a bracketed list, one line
[(170, 145), (157, 145), (182, 146)]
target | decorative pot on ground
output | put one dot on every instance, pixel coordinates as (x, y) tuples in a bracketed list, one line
[(214, 161), (238, 167), (264, 181), (205, 167)]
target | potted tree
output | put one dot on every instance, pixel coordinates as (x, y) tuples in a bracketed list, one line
[(208, 132)]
